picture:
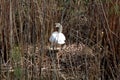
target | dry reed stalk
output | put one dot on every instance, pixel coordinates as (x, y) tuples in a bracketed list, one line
[(30, 23)]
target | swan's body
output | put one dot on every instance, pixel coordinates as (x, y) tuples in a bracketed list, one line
[(57, 37)]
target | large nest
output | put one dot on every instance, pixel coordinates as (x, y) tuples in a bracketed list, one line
[(72, 61)]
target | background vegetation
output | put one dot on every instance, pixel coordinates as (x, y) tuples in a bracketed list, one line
[(25, 27)]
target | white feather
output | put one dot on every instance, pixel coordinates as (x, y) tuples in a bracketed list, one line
[(57, 37)]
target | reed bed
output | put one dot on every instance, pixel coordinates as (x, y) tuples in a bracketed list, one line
[(92, 49)]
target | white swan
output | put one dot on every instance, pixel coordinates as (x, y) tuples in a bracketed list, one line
[(57, 37)]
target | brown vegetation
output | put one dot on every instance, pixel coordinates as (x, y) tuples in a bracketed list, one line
[(92, 30)]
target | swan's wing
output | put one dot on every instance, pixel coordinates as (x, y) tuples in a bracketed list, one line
[(57, 38), (61, 38), (53, 37)]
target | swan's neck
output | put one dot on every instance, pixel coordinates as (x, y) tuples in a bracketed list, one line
[(60, 29)]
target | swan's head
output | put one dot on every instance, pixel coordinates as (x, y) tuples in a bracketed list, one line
[(58, 25)]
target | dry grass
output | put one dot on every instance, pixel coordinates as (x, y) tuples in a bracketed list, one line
[(92, 29)]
